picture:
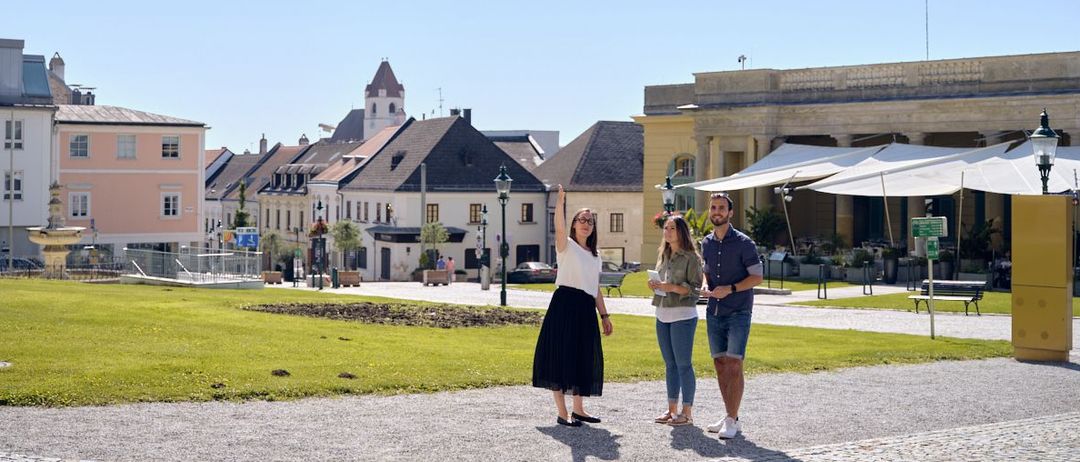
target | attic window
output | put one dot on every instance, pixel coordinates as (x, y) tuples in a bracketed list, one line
[(394, 161), (466, 156)]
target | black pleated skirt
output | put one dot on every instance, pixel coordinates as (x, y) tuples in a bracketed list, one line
[(568, 355)]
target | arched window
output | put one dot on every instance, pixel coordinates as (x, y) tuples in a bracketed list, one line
[(681, 170), (393, 109), (373, 111)]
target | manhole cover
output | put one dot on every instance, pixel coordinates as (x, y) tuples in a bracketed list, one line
[(4, 364)]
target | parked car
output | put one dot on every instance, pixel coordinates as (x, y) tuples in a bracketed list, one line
[(631, 266), (530, 272), (611, 267)]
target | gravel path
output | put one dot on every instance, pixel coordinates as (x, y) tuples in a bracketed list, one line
[(784, 415)]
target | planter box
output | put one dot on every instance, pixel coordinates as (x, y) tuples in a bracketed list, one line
[(838, 273), (348, 278), (777, 267), (810, 272), (271, 277), (855, 275), (436, 277)]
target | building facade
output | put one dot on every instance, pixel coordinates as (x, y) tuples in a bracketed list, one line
[(726, 121), (132, 178)]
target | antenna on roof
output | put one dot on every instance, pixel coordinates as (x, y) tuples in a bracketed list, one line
[(440, 101)]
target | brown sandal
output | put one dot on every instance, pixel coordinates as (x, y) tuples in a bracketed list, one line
[(680, 421), (664, 418)]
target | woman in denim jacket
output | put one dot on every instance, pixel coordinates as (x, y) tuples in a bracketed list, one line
[(680, 271)]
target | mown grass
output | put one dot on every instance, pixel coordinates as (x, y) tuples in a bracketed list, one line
[(76, 344), (992, 302)]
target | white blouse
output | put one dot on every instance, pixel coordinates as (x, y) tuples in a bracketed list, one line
[(578, 268)]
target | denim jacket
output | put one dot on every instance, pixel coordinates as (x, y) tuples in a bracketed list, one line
[(684, 269)]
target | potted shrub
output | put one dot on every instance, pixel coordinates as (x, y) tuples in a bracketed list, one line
[(860, 258), (808, 267), (837, 269), (946, 258)]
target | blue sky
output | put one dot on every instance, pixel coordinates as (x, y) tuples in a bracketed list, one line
[(281, 68)]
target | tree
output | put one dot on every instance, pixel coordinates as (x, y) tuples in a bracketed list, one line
[(241, 219), (764, 224), (346, 237), (431, 235), (271, 244)]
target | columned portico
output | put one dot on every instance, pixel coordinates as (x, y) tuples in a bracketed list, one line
[(845, 205)]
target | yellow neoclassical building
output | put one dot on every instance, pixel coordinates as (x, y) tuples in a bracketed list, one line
[(725, 121)]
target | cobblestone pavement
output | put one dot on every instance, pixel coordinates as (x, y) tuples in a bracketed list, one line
[(952, 410), (768, 309), (1044, 439)]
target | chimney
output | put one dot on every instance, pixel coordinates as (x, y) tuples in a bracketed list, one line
[(262, 144), (455, 112), (11, 80), (303, 140), (468, 115), (56, 64)]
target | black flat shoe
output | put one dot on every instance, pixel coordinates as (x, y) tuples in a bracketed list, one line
[(585, 418), (571, 423)]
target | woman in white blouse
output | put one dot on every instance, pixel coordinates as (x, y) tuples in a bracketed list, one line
[(569, 357)]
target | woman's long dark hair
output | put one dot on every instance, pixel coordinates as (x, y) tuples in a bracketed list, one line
[(590, 241), (686, 243)]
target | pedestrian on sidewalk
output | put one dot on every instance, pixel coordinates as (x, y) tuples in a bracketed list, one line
[(679, 270), (440, 264), (732, 269), (569, 357), (450, 268)]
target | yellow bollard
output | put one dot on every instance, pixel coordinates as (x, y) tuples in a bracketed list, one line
[(1042, 277)]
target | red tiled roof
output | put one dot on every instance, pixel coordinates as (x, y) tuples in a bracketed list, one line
[(384, 80)]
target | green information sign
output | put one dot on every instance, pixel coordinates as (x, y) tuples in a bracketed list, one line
[(932, 248), (929, 227)]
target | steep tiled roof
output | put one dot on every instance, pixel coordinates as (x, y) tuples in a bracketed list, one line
[(384, 80), (114, 115), (261, 174), (351, 128), (225, 178), (459, 158), (608, 156), (340, 169), (324, 152), (521, 148)]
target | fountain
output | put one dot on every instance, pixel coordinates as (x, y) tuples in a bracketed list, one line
[(55, 237)]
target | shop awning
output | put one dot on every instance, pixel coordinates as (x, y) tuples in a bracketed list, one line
[(794, 162)]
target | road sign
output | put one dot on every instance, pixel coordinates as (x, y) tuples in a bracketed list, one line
[(247, 237), (929, 227), (932, 248)]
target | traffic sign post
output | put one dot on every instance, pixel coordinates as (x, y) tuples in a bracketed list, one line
[(930, 228)]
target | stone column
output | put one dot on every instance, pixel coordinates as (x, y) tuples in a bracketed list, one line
[(762, 148), (701, 168), (845, 205), (916, 205)]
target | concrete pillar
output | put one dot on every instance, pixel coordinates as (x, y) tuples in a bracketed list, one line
[(845, 205), (702, 168), (761, 146), (915, 205), (716, 158)]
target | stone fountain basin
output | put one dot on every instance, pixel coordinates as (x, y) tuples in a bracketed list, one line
[(56, 236)]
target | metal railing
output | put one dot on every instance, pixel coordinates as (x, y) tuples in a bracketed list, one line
[(199, 265)]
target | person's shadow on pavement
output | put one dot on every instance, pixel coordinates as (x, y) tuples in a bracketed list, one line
[(585, 441), (709, 446)]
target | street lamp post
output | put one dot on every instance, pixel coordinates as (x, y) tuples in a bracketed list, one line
[(319, 244), (296, 235), (502, 186), (485, 265), (1044, 143)]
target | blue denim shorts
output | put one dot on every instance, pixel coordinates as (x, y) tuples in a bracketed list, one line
[(728, 334)]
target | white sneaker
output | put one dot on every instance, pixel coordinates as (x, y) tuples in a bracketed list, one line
[(727, 428)]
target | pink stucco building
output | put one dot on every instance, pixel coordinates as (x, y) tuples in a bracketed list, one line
[(134, 177)]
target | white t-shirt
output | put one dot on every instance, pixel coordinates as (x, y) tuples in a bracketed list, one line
[(578, 268)]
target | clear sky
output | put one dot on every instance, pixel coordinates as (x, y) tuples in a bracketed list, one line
[(283, 67)]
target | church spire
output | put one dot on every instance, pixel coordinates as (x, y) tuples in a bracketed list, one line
[(384, 80)]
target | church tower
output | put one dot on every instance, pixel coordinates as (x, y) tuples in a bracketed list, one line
[(384, 101)]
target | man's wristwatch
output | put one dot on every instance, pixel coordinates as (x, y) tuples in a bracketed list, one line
[(734, 289)]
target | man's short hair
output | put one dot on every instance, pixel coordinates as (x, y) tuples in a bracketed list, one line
[(724, 195)]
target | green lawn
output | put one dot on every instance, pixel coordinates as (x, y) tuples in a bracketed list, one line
[(636, 285), (992, 302), (78, 344)]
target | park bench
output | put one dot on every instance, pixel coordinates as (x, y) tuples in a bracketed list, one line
[(969, 292), (612, 281)]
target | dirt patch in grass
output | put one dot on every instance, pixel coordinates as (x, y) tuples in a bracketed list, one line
[(445, 316)]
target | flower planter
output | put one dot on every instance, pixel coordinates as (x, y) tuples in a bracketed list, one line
[(271, 277), (349, 278), (436, 277), (774, 270)]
